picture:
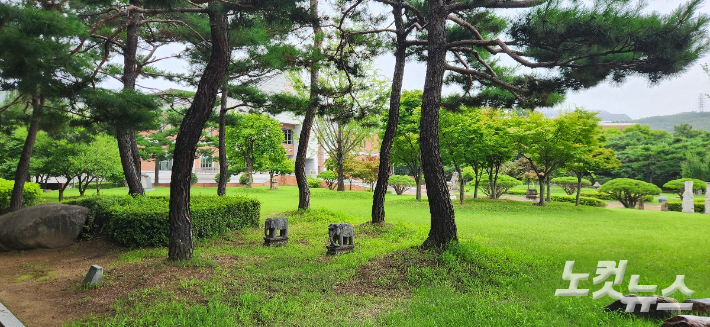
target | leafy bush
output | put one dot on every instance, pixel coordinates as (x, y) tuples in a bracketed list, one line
[(314, 182), (401, 183), (503, 184), (585, 201), (30, 196), (330, 178), (243, 179), (216, 178), (569, 184), (193, 179), (678, 206), (678, 185), (143, 221), (628, 191)]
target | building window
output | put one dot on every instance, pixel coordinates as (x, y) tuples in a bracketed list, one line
[(288, 136), (206, 162), (166, 165)]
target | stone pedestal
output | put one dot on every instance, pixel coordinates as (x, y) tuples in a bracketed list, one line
[(335, 249), (688, 206), (275, 241), (707, 198), (664, 205), (275, 231), (640, 204)]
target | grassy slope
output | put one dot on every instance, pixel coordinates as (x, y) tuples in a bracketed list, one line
[(504, 273)]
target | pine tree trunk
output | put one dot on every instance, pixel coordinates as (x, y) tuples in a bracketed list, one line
[(181, 245), (127, 146), (304, 193), (400, 56), (223, 169), (443, 225), (124, 136), (23, 166), (157, 173)]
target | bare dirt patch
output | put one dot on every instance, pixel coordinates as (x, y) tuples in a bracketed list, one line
[(43, 287)]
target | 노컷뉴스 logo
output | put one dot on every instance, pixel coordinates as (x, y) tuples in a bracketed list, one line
[(607, 268)]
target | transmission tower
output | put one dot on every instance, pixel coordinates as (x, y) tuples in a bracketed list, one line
[(701, 103)]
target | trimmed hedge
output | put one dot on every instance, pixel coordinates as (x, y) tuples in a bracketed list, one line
[(595, 195), (30, 195), (678, 206), (143, 221), (585, 201)]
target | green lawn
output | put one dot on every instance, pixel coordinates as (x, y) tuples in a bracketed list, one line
[(503, 273)]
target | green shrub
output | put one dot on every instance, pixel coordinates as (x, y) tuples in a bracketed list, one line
[(314, 182), (628, 191), (330, 178), (678, 206), (678, 185), (609, 197), (585, 201), (569, 184), (30, 196), (243, 179), (143, 221), (516, 192), (503, 184), (401, 183), (216, 178), (193, 179)]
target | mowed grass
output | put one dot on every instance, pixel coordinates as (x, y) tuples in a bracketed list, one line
[(504, 272)]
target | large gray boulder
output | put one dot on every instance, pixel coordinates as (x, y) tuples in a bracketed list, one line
[(42, 226)]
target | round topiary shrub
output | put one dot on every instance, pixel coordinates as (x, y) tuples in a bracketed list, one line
[(243, 179), (628, 191), (569, 184), (503, 184), (193, 179), (314, 182), (401, 183)]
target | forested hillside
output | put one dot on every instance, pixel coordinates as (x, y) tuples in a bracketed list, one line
[(699, 120)]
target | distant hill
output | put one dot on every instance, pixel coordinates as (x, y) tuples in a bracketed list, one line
[(699, 120)]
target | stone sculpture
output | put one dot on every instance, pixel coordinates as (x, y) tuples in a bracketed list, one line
[(341, 238), (275, 231)]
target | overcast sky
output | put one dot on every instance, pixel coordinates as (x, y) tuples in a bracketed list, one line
[(635, 97)]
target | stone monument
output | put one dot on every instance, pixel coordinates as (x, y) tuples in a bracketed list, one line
[(688, 206), (146, 182), (640, 203), (94, 276), (271, 227), (455, 181), (341, 238), (707, 198)]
